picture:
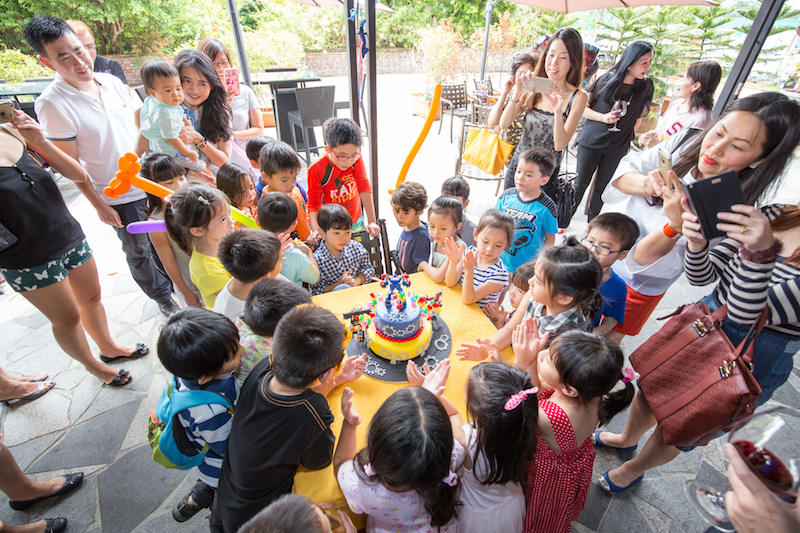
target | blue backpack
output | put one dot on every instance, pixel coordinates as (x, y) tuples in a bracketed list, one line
[(171, 448)]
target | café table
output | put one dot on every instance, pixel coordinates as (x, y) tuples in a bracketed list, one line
[(282, 84), (466, 323), (28, 88)]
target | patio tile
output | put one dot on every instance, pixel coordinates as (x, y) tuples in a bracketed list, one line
[(28, 452), (708, 474), (12, 332), (132, 488), (92, 443), (596, 506), (164, 522), (35, 319), (42, 416), (79, 507), (108, 398), (658, 521), (666, 494), (623, 515), (82, 396), (687, 462), (48, 357), (71, 377), (787, 395)]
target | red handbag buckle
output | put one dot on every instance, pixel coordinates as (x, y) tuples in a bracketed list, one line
[(726, 368), (701, 327)]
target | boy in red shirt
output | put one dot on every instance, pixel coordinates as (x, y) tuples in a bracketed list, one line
[(340, 177)]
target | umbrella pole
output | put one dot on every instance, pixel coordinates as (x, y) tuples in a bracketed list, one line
[(489, 8)]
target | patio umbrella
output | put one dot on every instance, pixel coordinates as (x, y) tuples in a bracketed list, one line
[(573, 6)]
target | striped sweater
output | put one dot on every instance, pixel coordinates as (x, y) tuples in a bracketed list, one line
[(745, 286)]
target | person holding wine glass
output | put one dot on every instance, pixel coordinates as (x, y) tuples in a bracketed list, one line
[(763, 450), (620, 97)]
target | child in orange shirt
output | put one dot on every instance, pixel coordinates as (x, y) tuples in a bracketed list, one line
[(340, 177), (279, 168)]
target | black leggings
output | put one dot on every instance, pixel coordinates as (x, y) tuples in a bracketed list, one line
[(605, 163)]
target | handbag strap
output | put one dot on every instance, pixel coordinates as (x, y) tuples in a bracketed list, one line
[(746, 347)]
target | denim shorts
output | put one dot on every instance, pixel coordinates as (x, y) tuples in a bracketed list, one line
[(50, 273)]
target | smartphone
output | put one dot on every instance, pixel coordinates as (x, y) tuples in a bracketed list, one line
[(712, 195), (7, 111), (539, 85), (231, 81), (664, 166)]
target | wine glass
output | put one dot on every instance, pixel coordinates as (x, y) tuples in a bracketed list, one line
[(766, 441), (621, 107)]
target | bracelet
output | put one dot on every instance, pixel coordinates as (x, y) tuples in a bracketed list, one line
[(514, 101), (671, 233), (202, 144), (762, 257)]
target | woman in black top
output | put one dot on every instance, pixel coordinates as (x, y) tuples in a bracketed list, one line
[(48, 260), (599, 148)]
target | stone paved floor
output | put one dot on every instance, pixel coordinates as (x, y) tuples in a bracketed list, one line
[(81, 426)]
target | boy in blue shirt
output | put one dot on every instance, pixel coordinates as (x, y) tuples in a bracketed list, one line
[(414, 245), (201, 348), (609, 237), (277, 212), (534, 212)]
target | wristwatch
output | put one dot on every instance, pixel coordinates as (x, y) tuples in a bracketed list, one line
[(202, 144)]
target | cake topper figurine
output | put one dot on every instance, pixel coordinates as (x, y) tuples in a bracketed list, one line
[(360, 319)]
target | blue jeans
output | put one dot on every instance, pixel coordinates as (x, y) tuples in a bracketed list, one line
[(139, 255)]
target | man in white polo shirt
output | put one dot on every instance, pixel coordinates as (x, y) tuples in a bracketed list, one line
[(89, 116)]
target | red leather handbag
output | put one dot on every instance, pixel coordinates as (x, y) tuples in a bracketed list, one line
[(695, 381)]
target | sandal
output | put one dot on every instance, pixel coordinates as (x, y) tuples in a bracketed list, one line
[(120, 380), (141, 351), (41, 389), (36, 378)]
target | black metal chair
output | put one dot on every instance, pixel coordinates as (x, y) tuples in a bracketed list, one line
[(315, 105), (380, 255), (456, 101), (29, 80)]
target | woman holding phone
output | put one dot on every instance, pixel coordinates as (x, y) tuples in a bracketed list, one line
[(757, 262), (550, 119), (205, 107), (248, 122), (617, 102), (754, 137)]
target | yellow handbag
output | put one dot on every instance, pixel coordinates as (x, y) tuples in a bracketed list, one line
[(486, 150)]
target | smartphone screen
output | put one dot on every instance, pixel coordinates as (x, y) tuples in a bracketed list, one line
[(664, 166), (231, 81)]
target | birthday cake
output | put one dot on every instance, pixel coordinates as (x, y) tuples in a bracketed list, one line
[(397, 325)]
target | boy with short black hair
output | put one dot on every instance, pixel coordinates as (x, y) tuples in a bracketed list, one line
[(277, 213), (534, 213), (248, 255), (280, 165), (161, 117), (253, 150), (280, 423), (340, 177), (201, 348), (609, 237), (343, 262), (269, 300), (414, 245), (458, 188)]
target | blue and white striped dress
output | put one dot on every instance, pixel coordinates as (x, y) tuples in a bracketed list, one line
[(495, 273)]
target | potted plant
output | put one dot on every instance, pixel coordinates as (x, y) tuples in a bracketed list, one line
[(441, 46)]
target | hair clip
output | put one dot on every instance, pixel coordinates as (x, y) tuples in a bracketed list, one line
[(451, 479), (168, 199), (202, 199), (519, 397), (629, 374), (368, 470)]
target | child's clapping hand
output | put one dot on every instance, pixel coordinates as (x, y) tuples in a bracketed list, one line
[(352, 368), (469, 260), (349, 412), (454, 251), (348, 279), (527, 344), (495, 314), (433, 380)]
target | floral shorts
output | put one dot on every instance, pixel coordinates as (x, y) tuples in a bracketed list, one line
[(38, 277)]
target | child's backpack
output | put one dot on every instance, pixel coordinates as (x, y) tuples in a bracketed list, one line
[(172, 448)]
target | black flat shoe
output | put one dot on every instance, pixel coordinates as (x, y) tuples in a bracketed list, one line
[(55, 525), (72, 482), (120, 380), (141, 351)]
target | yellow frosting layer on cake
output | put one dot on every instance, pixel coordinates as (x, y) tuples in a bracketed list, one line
[(400, 351)]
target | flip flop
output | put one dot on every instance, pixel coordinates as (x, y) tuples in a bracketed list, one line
[(120, 380), (41, 389), (141, 351), (606, 484), (36, 378), (601, 444)]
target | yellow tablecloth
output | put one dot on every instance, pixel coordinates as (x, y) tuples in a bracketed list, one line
[(466, 323)]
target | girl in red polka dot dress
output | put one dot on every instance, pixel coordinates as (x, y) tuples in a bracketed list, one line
[(576, 375)]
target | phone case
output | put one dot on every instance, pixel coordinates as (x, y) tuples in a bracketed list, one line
[(715, 194), (231, 81), (538, 84), (664, 166)]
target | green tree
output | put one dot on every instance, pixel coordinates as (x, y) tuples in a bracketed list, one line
[(660, 27), (621, 25), (708, 34)]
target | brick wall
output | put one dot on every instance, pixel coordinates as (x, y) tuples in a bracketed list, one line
[(131, 63)]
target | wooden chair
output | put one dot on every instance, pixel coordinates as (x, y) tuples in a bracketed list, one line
[(455, 100), (469, 171), (315, 105)]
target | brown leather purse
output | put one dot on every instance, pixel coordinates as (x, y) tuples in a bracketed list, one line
[(695, 381)]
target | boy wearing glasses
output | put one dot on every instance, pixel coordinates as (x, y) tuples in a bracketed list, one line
[(609, 237), (340, 177)]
